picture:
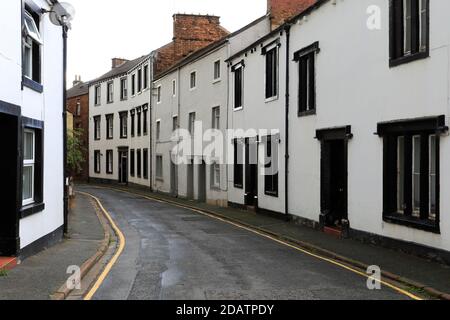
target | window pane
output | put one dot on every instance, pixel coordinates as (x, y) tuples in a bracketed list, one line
[(28, 145), (423, 25), (27, 61), (401, 174), (416, 176), (407, 25), (433, 181), (27, 191)]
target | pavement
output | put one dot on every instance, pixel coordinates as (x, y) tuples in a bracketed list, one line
[(40, 276), (174, 253)]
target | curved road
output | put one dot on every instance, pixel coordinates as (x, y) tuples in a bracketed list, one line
[(177, 254)]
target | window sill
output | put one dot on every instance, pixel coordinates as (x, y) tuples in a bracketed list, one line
[(274, 98), (271, 194), (239, 186), (33, 85), (159, 179), (217, 80), (409, 58), (109, 102), (109, 138), (412, 222), (109, 173), (238, 109), (307, 113), (31, 209)]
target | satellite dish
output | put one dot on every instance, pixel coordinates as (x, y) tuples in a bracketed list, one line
[(62, 14)]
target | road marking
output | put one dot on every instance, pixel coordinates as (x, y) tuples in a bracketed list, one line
[(334, 262), (116, 256)]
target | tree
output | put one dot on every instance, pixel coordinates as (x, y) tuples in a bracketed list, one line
[(75, 151)]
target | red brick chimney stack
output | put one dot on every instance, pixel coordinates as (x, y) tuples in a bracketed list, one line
[(117, 62), (282, 10)]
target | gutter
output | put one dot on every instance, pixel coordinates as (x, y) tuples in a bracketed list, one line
[(287, 29)]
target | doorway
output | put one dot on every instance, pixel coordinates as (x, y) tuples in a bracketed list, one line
[(202, 182), (123, 166), (10, 183), (334, 177), (251, 172)]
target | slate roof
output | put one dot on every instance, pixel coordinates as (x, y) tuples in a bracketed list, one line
[(78, 90), (121, 70)]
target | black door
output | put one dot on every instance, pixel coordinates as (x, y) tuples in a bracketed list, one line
[(123, 166), (10, 195), (251, 172), (334, 181)]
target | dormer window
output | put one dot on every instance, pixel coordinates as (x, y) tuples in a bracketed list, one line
[(32, 42)]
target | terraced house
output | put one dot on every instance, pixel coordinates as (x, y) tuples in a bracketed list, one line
[(32, 127)]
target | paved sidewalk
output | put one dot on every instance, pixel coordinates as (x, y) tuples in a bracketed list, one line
[(40, 276), (414, 269)]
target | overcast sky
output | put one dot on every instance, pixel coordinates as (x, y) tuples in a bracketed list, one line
[(104, 29)]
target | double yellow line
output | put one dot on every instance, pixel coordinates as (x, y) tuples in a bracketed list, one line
[(267, 236), (116, 256)]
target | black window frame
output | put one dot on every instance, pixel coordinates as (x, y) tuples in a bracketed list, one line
[(238, 166), (238, 85), (271, 182), (109, 119), (109, 154), (132, 162), (397, 55), (97, 162), (145, 163), (271, 55), (97, 133), (123, 116), (390, 131), (306, 59), (38, 205)]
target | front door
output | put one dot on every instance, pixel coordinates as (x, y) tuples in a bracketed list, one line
[(10, 183), (123, 166), (251, 172), (334, 182)]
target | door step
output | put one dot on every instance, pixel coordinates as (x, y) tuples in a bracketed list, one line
[(7, 263), (335, 232)]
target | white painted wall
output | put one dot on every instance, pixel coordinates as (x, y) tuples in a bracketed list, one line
[(46, 107), (136, 142), (356, 87)]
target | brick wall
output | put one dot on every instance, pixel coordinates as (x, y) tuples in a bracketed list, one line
[(190, 33), (81, 121), (282, 10)]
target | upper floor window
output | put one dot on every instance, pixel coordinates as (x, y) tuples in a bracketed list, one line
[(124, 124), (174, 87), (271, 72), (158, 94), (217, 70), (216, 118), (139, 122), (110, 92), (123, 89), (193, 80), (174, 123), (409, 30), (133, 84), (145, 76), (109, 126), (306, 59), (98, 92), (238, 85), (78, 108), (145, 120), (133, 116), (32, 42), (139, 80), (158, 130), (97, 132)]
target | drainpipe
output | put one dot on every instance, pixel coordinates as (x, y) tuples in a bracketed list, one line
[(150, 106), (286, 164), (64, 116)]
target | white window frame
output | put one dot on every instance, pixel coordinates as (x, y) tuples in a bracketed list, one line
[(110, 91), (31, 28), (216, 118), (193, 72), (110, 126), (30, 163), (109, 164), (98, 95), (124, 88), (28, 72), (219, 78), (159, 94)]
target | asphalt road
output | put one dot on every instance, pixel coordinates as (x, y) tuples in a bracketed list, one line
[(176, 254)]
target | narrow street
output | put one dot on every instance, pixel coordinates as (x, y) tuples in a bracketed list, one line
[(173, 253)]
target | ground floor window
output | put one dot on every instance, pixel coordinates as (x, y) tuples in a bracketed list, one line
[(238, 164), (271, 166), (29, 140), (139, 163), (97, 165), (145, 162), (411, 172), (132, 155), (215, 176), (159, 167), (109, 161)]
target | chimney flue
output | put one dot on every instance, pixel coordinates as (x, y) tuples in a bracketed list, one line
[(77, 80)]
